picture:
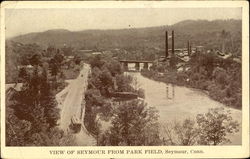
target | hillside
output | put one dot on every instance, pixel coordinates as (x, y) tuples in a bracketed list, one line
[(140, 41), (200, 32)]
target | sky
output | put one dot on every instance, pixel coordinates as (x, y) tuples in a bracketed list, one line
[(22, 21)]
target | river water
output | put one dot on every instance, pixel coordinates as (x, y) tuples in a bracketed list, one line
[(185, 103)]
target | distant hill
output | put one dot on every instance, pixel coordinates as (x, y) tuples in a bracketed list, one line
[(200, 32), (139, 41)]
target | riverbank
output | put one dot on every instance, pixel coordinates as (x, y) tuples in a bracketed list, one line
[(186, 104), (208, 87), (105, 79)]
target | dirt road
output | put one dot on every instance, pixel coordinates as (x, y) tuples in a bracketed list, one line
[(72, 104)]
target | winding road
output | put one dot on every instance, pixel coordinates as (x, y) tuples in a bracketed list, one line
[(71, 102)]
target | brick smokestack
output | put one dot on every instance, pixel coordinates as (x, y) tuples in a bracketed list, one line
[(188, 48), (166, 47), (172, 43)]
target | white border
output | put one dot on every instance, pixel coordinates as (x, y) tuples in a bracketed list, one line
[(209, 151)]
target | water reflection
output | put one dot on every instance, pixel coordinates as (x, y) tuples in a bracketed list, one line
[(179, 103)]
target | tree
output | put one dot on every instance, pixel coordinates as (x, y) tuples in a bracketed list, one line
[(114, 67), (186, 132), (221, 77), (54, 69), (58, 58), (123, 83), (15, 129), (77, 60), (181, 133), (51, 112), (23, 74), (35, 59), (34, 115), (94, 100), (133, 124), (107, 83), (215, 125), (48, 101), (96, 61)]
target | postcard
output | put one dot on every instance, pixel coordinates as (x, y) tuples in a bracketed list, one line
[(124, 79)]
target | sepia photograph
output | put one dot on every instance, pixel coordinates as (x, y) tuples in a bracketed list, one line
[(126, 76)]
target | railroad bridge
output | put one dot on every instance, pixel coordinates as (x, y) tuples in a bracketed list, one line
[(137, 64)]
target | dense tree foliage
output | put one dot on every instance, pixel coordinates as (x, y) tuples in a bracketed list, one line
[(106, 78), (210, 128), (32, 113), (214, 127), (133, 124), (20, 54)]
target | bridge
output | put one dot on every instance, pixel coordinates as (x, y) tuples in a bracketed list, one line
[(137, 63)]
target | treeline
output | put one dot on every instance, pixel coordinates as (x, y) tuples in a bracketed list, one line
[(19, 55), (221, 78), (32, 114)]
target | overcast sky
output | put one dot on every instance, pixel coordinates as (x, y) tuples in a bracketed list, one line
[(21, 21)]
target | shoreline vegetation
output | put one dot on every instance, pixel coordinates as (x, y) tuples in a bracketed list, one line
[(134, 123), (219, 79), (106, 78)]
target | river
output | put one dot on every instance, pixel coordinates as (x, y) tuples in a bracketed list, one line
[(186, 102)]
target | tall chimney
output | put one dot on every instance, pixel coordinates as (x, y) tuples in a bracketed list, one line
[(188, 48), (166, 47), (172, 43)]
